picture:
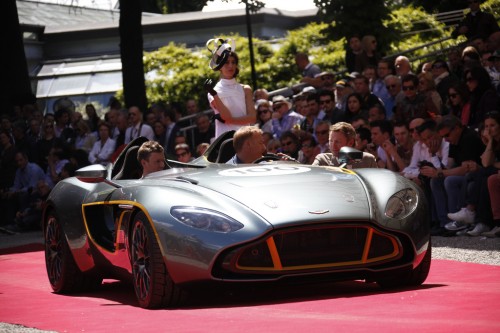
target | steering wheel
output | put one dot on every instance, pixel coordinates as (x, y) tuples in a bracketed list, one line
[(269, 157)]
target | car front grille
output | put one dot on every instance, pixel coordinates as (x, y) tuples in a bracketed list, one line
[(315, 248)]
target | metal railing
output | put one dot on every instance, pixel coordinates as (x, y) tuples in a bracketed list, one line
[(188, 131)]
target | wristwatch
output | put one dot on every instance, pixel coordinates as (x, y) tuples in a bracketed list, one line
[(440, 174)]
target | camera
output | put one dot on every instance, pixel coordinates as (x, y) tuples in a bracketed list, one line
[(424, 179), (425, 163)]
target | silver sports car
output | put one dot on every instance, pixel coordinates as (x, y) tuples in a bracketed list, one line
[(207, 221)]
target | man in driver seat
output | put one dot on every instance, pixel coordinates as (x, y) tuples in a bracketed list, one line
[(151, 157), (248, 144)]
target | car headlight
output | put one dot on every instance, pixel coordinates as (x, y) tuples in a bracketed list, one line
[(401, 204), (205, 219)]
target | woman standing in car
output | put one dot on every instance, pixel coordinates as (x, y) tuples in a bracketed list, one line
[(232, 102)]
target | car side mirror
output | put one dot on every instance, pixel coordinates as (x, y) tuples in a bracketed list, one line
[(95, 174), (92, 174), (347, 154)]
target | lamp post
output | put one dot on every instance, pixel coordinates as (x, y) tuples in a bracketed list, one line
[(250, 44)]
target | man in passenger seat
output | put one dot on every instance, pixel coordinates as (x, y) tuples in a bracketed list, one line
[(151, 157)]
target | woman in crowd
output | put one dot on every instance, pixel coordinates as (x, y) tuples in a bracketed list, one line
[(232, 102), (264, 115), (104, 147), (483, 95), (427, 87), (159, 132), (458, 102), (355, 107), (84, 139), (92, 117)]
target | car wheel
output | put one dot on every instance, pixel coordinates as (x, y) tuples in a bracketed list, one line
[(153, 286), (414, 277), (62, 271)]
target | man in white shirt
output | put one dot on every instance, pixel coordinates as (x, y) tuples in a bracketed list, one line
[(424, 132), (138, 128)]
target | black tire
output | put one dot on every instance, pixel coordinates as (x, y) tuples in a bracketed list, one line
[(152, 284), (62, 271), (414, 277)]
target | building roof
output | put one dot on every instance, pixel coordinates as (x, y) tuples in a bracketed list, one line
[(57, 16)]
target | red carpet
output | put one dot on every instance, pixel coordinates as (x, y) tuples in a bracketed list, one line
[(457, 297)]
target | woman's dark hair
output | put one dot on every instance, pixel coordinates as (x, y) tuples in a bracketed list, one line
[(237, 60), (359, 98), (464, 94), (11, 140), (495, 115), (90, 105), (461, 90), (105, 124), (482, 77)]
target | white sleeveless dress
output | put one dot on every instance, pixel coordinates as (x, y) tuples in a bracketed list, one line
[(233, 96)]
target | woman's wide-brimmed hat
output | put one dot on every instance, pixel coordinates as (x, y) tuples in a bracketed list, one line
[(220, 49)]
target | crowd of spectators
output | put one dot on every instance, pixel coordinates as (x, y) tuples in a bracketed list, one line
[(38, 150), (437, 124)]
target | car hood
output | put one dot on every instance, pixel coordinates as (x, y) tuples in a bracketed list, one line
[(289, 193)]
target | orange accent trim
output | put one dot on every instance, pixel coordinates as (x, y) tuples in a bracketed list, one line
[(363, 260), (274, 253), (118, 202), (368, 243)]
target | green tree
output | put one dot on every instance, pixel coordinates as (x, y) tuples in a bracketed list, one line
[(356, 17), (311, 39), (416, 27), (180, 6)]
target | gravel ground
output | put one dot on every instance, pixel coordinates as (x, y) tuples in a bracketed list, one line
[(479, 250)]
